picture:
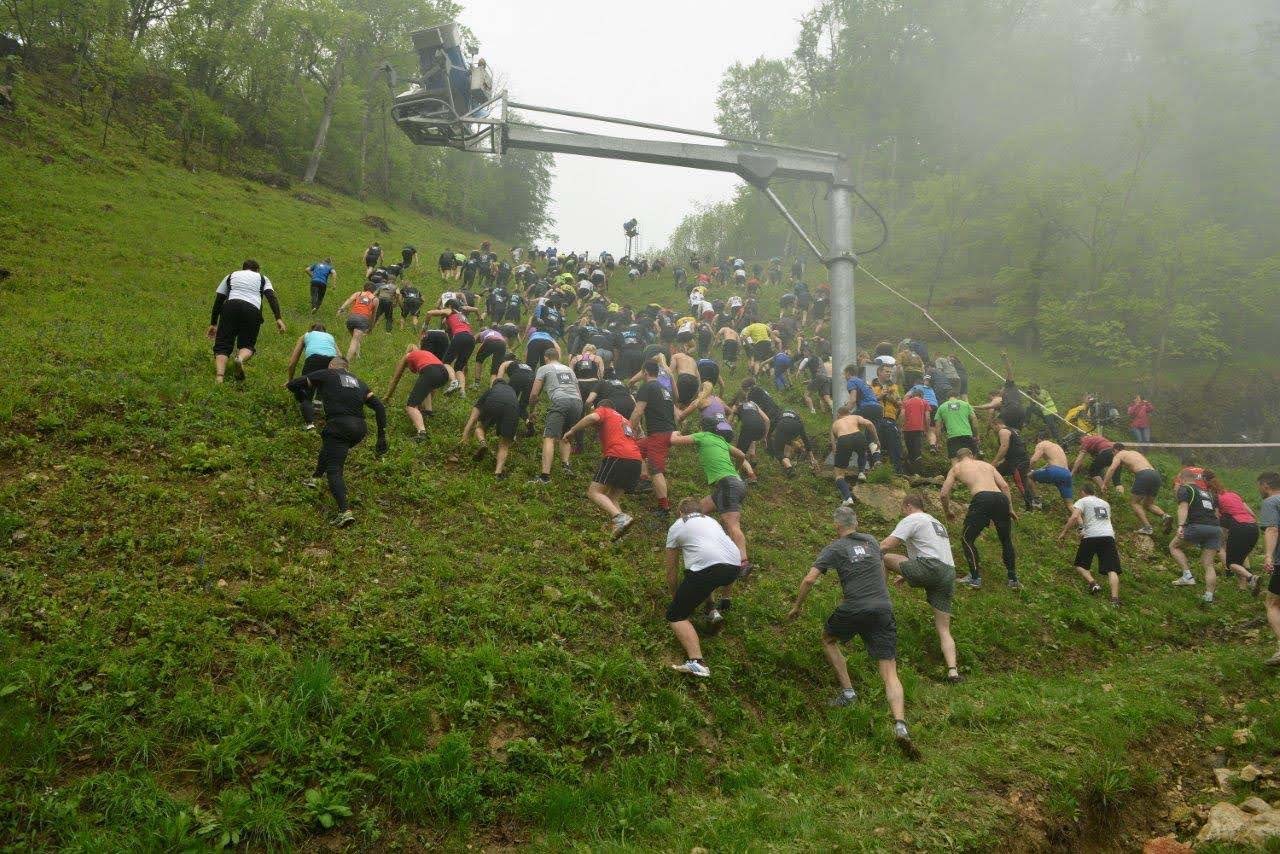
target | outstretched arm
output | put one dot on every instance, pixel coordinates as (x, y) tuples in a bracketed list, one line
[(584, 422), (379, 413), (395, 379), (294, 356), (806, 584), (945, 494), (1072, 521)]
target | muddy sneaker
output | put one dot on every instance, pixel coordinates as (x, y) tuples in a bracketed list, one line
[(308, 428), (1185, 580), (848, 502), (715, 621), (1115, 601), (237, 368), (954, 678), (621, 524), (903, 738), (311, 482), (847, 697), (1206, 599), (970, 581), (1014, 584), (1168, 524), (453, 387), (1095, 589), (1146, 529), (420, 436), (480, 453), (693, 668), (540, 480), (1254, 584), (344, 520)]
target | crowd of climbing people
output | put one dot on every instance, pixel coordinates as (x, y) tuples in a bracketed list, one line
[(540, 343)]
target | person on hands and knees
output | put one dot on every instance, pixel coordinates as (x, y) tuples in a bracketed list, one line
[(620, 462), (1092, 515), (712, 562)]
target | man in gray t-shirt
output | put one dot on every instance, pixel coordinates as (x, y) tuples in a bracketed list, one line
[(1269, 521), (864, 610), (564, 408)]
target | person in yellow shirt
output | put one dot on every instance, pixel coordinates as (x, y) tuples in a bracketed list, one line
[(760, 341), (890, 399)]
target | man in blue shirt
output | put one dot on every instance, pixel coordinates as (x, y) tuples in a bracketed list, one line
[(862, 397), (321, 273)]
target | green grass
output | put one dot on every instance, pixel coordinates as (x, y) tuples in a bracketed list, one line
[(190, 656)]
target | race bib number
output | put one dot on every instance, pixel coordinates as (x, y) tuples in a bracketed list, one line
[(1101, 513)]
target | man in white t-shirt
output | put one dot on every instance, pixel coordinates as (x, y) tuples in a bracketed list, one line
[(1097, 539), (928, 564), (711, 561)]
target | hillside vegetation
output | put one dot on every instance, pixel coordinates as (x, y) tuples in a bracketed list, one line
[(190, 655)]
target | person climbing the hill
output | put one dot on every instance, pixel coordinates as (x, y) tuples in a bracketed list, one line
[(432, 376), (890, 397), (461, 341), (520, 377), (1092, 515), (620, 463), (655, 408), (761, 398), (959, 424), (1040, 404), (1054, 470), (915, 426), (492, 348), (1198, 525), (720, 462), (712, 562), (1239, 532), (849, 444), (407, 256), (989, 504), (787, 437), (344, 397), (753, 425), (321, 274), (1102, 452), (928, 564), (685, 369), (727, 336), (564, 409), (410, 305), (760, 343), (388, 295), (1146, 486), (864, 610), (361, 304), (497, 409), (1013, 462), (316, 348), (1269, 522), (372, 258), (237, 317)]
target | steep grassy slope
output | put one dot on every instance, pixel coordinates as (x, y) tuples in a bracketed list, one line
[(189, 653)]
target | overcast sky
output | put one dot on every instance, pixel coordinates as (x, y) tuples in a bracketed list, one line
[(657, 61)]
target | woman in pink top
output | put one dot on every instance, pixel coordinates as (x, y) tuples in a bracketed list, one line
[(1240, 532), (1140, 419)]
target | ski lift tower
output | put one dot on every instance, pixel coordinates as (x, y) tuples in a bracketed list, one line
[(452, 104)]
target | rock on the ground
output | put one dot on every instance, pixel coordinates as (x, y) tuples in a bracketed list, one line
[(1250, 772), (885, 500), (1227, 823), (1224, 776), (1165, 845), (1255, 806)]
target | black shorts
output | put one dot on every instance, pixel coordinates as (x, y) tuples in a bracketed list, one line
[(762, 350), (617, 472), (431, 378), (847, 446), (459, 351), (750, 430), (686, 388), (728, 494), (1146, 483), (534, 351), (1104, 548), (729, 350), (505, 420), (820, 385), (1274, 586), (317, 362), (238, 326), (955, 443), (359, 322), (1241, 539), (696, 587), (495, 348), (435, 342), (877, 629), (1101, 462), (410, 307)]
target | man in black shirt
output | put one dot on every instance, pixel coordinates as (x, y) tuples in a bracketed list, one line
[(345, 398), (864, 610), (497, 409), (656, 406)]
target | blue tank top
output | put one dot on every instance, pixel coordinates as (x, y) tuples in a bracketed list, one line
[(318, 344)]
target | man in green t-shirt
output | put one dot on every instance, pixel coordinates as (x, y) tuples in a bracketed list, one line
[(960, 423), (720, 461)]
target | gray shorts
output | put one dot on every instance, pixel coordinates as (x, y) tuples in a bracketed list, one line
[(1146, 483), (561, 415), (728, 493), (937, 578), (1207, 537)]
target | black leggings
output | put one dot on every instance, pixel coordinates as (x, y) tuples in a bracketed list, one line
[(317, 294), (1019, 473), (386, 308), (306, 397), (340, 435), (988, 508)]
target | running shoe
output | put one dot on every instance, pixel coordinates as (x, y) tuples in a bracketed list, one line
[(480, 453), (1254, 584), (1115, 601), (903, 738), (567, 469), (955, 678), (693, 668), (308, 428), (862, 477), (420, 436), (1095, 589), (237, 366), (848, 502), (1037, 504), (453, 387), (1206, 599), (1147, 529), (1168, 524), (311, 482), (1013, 584), (970, 581), (344, 520), (1185, 580), (847, 697), (715, 621), (621, 524), (1274, 661), (541, 481)]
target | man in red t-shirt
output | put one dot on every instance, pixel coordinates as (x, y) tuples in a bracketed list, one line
[(619, 469), (1103, 451), (915, 422)]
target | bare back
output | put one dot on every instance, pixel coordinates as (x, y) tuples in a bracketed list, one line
[(1052, 454), (847, 424), (1132, 460), (976, 475), (683, 363)]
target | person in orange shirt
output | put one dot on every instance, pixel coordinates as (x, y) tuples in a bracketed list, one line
[(359, 308)]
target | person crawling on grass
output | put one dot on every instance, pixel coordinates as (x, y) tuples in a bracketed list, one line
[(237, 316), (712, 562), (497, 409), (1092, 515), (432, 376), (620, 462), (928, 564), (344, 397), (864, 610)]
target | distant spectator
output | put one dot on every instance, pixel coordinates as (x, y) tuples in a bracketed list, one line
[(1140, 418)]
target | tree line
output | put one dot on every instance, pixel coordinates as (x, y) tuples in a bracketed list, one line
[(293, 87), (1104, 175)]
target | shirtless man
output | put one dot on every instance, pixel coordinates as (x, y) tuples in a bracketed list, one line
[(989, 504), (727, 337), (847, 439), (1055, 469), (684, 367), (1146, 486)]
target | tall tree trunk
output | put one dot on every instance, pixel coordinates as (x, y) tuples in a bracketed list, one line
[(386, 159), (364, 150), (326, 118)]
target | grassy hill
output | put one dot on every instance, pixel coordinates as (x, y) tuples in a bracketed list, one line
[(190, 655)]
